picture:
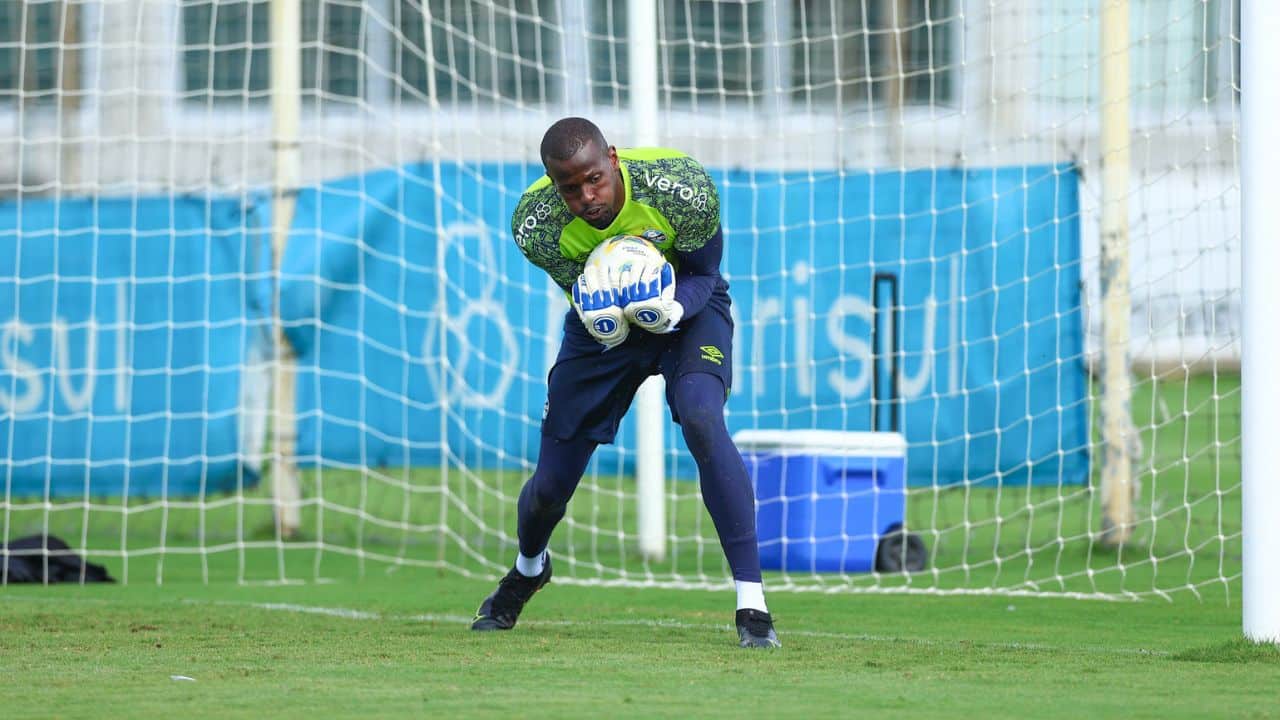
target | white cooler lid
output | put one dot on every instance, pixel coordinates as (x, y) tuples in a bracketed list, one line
[(822, 442)]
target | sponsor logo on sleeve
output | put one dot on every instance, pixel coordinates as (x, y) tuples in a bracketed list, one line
[(537, 215), (664, 184)]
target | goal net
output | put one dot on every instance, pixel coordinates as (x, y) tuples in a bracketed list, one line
[(263, 319)]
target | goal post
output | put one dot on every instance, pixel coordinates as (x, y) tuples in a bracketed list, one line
[(1259, 155), (286, 98), (1117, 424), (651, 496)]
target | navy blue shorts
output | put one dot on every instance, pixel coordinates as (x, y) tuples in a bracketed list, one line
[(589, 390)]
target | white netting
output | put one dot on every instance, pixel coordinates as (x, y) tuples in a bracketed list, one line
[(912, 197)]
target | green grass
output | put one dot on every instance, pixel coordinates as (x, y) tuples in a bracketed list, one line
[(266, 651)]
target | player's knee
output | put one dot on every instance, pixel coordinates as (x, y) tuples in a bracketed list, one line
[(544, 495), (701, 423), (699, 408)]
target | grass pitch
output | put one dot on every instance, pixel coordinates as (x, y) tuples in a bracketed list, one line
[(397, 645)]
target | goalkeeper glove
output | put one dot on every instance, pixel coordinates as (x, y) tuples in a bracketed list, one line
[(596, 301), (648, 297)]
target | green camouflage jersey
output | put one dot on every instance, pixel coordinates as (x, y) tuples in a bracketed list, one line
[(667, 192)]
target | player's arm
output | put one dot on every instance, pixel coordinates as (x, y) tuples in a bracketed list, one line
[(536, 226), (699, 244), (699, 273), (667, 297)]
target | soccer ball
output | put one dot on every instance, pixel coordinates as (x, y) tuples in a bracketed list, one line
[(622, 254), (600, 296), (644, 280)]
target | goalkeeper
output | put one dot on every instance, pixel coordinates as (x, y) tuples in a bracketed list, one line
[(593, 192)]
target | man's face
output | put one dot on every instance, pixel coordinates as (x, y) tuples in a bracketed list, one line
[(590, 184)]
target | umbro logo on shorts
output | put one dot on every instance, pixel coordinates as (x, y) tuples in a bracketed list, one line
[(712, 353)]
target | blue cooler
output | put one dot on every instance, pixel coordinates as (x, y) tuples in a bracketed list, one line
[(824, 498)]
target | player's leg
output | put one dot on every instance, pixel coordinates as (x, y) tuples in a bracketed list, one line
[(540, 507), (545, 496), (588, 392), (698, 401), (698, 369)]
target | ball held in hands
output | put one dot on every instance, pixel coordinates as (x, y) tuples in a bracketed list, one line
[(626, 281), (595, 297), (646, 284), (649, 302)]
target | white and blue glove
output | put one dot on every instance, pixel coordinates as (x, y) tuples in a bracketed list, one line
[(595, 297), (647, 294)]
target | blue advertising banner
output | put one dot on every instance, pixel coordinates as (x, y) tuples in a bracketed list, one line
[(943, 303), (127, 324), (946, 303)]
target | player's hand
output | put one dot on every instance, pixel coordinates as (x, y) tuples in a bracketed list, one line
[(648, 297), (596, 300)]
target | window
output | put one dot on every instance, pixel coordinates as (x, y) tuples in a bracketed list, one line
[(1181, 53), (35, 63), (708, 50), (873, 53), (608, 52), (332, 49), (485, 50), (496, 51), (225, 50), (227, 56), (836, 50)]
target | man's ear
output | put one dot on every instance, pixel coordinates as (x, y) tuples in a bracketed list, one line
[(613, 156)]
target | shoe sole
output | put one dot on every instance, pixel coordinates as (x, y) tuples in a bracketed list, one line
[(756, 642)]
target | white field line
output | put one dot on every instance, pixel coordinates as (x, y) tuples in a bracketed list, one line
[(784, 632)]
